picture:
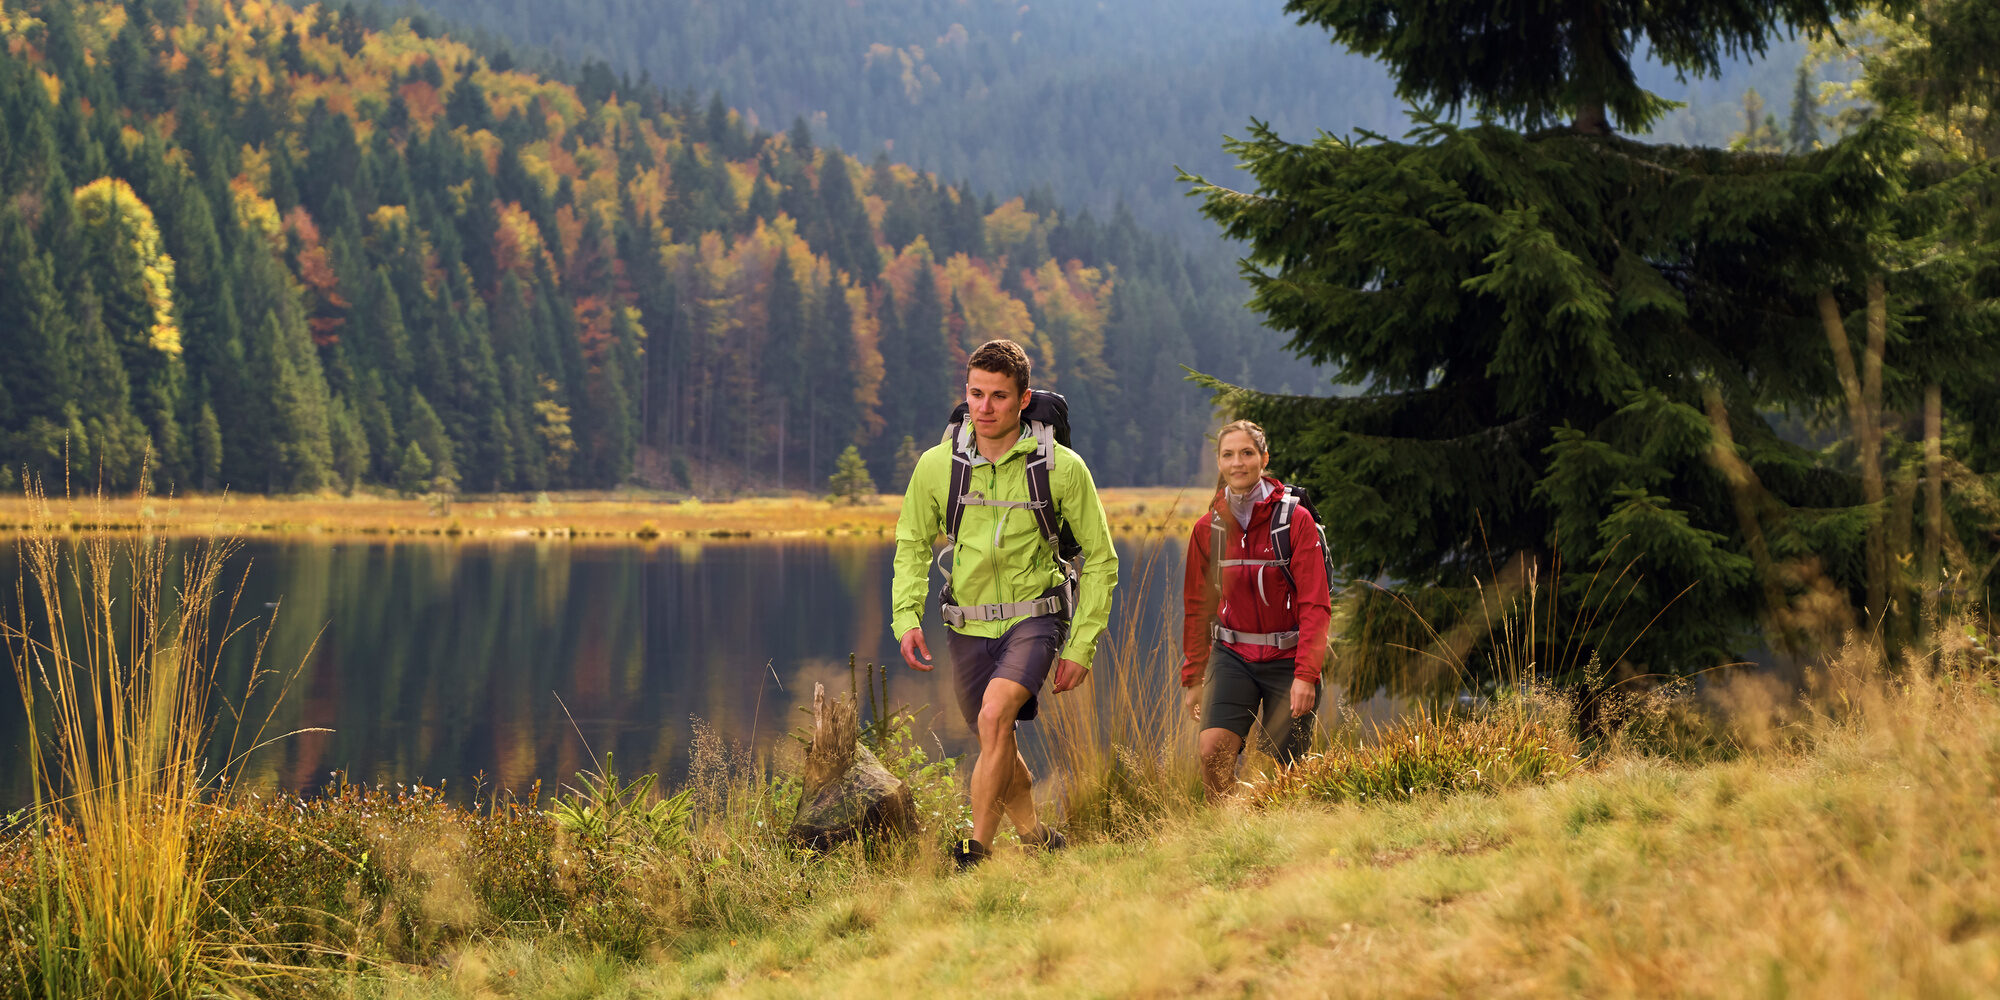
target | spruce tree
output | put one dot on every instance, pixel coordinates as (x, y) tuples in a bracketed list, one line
[(1541, 62), (1569, 345), (850, 480), (35, 333), (1804, 131), (413, 472), (348, 445), (784, 374), (832, 413)]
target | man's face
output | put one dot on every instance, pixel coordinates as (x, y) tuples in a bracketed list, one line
[(994, 403)]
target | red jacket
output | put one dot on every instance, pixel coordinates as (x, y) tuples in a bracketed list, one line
[(1279, 609)]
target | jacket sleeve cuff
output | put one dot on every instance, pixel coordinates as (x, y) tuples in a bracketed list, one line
[(902, 624), (1081, 651), (1190, 675)]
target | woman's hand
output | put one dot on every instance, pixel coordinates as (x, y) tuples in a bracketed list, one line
[(1305, 694), (1191, 697)]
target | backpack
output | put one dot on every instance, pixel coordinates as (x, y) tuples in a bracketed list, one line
[(1046, 417), (1281, 542)]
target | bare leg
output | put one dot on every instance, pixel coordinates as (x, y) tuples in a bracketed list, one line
[(1219, 748), (1019, 798), (999, 769)]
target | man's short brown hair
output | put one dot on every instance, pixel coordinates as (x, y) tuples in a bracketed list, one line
[(1001, 357)]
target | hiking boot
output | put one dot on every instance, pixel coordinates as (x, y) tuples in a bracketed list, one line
[(968, 853), (1046, 838)]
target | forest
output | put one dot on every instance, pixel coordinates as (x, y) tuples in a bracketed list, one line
[(268, 248), (1099, 102)]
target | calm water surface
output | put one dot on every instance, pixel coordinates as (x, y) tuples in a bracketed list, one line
[(448, 661)]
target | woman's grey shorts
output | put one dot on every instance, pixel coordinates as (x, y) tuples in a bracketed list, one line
[(1233, 691), (1023, 654)]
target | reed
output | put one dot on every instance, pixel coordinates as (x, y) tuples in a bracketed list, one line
[(114, 648), (1123, 754)]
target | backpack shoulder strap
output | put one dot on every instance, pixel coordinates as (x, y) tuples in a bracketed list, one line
[(1218, 543), (1281, 535), (1041, 486), (961, 479)]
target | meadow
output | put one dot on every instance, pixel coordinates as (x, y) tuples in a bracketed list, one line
[(1737, 837)]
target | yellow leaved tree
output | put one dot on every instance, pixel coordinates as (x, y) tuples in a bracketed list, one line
[(114, 218)]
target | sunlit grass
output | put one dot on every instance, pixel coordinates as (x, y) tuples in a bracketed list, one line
[(615, 518), (1844, 860), (113, 648)]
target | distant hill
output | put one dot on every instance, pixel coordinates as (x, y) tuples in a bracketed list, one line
[(1097, 101)]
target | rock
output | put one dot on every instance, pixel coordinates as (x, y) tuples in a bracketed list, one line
[(848, 792)]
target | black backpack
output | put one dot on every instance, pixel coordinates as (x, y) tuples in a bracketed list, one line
[(1281, 541), (1046, 418)]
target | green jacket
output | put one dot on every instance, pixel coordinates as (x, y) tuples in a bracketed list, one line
[(1019, 566)]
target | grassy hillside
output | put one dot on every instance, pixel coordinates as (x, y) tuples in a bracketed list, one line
[(1839, 855)]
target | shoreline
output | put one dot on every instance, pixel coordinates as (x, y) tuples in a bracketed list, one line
[(616, 517)]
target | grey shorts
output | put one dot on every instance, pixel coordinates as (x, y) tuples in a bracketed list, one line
[(1023, 654), (1234, 690)]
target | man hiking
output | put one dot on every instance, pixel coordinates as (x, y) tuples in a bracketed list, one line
[(1030, 577)]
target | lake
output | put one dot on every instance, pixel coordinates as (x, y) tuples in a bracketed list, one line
[(446, 661)]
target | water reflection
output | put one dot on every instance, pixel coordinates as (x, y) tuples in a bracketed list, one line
[(446, 661)]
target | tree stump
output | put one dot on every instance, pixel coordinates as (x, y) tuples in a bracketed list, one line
[(848, 793)]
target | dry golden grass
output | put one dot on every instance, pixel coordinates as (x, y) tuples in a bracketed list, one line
[(603, 517), (1846, 852), (113, 647)]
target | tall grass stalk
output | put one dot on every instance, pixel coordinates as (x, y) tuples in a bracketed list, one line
[(114, 657), (1124, 753)]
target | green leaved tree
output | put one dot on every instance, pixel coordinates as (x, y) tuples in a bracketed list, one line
[(1581, 358)]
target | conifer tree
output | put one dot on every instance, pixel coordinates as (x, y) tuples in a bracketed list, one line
[(1803, 134), (850, 480), (907, 454), (1553, 331), (413, 472), (349, 446), (426, 433), (207, 448), (832, 413), (784, 366), (35, 334), (1538, 62)]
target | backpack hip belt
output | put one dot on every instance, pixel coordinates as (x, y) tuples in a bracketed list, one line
[(1278, 640), (1055, 604)]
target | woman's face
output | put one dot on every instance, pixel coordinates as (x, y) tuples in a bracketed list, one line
[(1239, 461)]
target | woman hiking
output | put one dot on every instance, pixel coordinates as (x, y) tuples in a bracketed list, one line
[(1256, 611)]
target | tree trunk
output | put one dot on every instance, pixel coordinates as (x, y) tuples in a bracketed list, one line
[(1933, 498), (1864, 397), (1871, 447), (1749, 494), (1590, 66)]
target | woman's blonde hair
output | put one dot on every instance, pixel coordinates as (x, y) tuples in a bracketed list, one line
[(1248, 427), (1256, 437)]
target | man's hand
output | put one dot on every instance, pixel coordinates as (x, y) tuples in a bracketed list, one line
[(1069, 674), (1305, 694), (913, 644), (1191, 700)]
